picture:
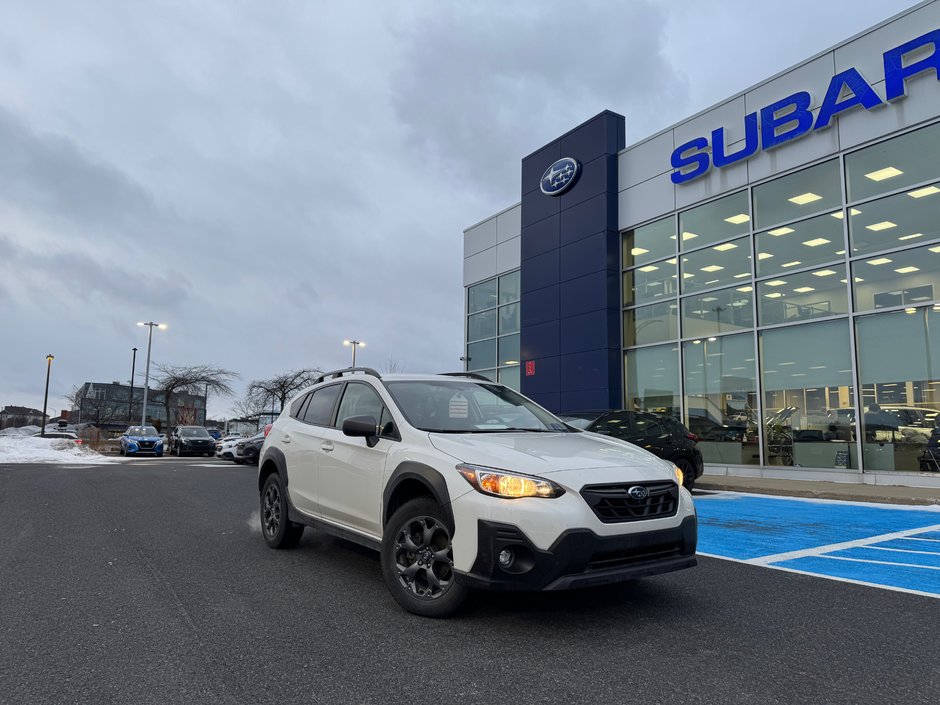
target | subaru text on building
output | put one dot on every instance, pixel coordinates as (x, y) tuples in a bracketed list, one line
[(462, 483)]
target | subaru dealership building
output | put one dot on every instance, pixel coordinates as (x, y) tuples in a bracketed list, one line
[(766, 271)]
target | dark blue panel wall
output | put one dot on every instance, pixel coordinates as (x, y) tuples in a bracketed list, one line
[(570, 300)]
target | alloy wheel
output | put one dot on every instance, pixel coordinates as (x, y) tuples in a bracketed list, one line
[(424, 558), (271, 515)]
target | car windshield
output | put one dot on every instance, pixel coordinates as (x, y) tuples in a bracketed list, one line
[(194, 433), (444, 406), (141, 431)]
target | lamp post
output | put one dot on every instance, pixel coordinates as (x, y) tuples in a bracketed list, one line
[(150, 325), (45, 400), (355, 344), (130, 401)]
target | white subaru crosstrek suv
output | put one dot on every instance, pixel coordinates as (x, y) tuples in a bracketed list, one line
[(462, 483)]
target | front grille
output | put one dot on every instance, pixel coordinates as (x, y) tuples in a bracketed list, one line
[(627, 556), (613, 504), (145, 445)]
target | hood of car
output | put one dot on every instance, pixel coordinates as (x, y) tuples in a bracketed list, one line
[(601, 458), (144, 438)]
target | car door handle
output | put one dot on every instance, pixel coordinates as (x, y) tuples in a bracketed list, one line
[(327, 447), (286, 438)]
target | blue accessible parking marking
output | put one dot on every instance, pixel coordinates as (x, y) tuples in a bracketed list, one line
[(886, 546)]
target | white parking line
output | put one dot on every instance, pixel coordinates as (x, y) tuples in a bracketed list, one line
[(829, 548), (902, 550), (866, 560)]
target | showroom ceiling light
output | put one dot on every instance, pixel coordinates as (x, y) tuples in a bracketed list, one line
[(883, 225), (671, 261), (804, 289), (935, 249), (638, 251), (824, 273), (882, 174), (816, 242), (712, 268), (773, 295), (686, 235), (907, 270), (791, 264), (776, 282), (911, 236), (745, 289), (764, 255), (879, 261), (921, 192), (738, 219), (649, 268), (742, 275), (805, 198), (840, 215), (727, 246), (780, 231)]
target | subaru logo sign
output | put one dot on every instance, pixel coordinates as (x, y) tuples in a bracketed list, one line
[(560, 176), (638, 492)]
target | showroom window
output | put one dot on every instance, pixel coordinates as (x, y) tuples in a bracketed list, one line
[(899, 373), (809, 401), (715, 221), (650, 282), (789, 298), (894, 164), (649, 242), (651, 379), (717, 312), (801, 245), (720, 398), (803, 193), (907, 278), (493, 329), (718, 265), (650, 324), (907, 218)]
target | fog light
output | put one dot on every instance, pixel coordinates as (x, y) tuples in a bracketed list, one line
[(505, 557)]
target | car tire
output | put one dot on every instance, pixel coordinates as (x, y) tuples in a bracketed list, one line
[(688, 473), (418, 562), (123, 452), (278, 530)]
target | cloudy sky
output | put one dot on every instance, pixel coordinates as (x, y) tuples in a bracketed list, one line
[(269, 178)]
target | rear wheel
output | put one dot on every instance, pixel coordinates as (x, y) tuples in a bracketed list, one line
[(688, 473), (418, 560), (278, 530)]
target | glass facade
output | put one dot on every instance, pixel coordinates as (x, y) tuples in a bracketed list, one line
[(796, 322), (493, 329)]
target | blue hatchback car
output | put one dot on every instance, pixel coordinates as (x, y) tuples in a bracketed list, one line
[(141, 440)]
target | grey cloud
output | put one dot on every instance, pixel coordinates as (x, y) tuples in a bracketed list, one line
[(483, 88)]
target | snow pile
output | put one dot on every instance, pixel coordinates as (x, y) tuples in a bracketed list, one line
[(30, 449)]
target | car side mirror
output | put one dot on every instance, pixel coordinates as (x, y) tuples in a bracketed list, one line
[(362, 426)]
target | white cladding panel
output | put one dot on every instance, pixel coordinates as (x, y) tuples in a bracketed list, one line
[(644, 161), (647, 200), (479, 267), (509, 224), (922, 103), (866, 52), (479, 237), (508, 255), (715, 182)]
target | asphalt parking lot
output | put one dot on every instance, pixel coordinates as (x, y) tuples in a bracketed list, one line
[(148, 582)]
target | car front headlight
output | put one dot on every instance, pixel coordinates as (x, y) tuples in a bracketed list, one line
[(679, 476), (508, 485)]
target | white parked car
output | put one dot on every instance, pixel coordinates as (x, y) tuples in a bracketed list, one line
[(462, 483), (225, 448)]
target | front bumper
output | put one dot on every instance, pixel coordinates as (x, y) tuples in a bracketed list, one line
[(578, 558)]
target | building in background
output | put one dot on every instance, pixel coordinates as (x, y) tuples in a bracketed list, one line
[(108, 405), (17, 416), (767, 271)]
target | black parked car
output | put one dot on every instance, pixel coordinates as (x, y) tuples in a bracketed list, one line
[(247, 450), (660, 435), (191, 440)]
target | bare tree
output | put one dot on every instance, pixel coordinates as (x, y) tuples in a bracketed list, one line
[(197, 379), (280, 388), (246, 407), (392, 366)]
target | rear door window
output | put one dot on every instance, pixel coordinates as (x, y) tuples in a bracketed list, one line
[(320, 405)]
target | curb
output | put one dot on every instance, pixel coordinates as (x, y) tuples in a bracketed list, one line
[(846, 496)]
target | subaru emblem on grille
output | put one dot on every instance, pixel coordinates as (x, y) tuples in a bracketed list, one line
[(638, 492)]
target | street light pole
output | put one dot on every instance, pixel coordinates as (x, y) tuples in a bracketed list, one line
[(45, 400), (151, 325), (130, 402), (355, 344)]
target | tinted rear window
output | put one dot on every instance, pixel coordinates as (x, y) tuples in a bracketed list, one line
[(319, 409)]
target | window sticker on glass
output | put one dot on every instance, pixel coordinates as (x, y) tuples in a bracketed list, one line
[(459, 407)]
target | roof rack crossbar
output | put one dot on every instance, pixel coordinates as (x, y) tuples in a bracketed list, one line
[(346, 371), (471, 375)]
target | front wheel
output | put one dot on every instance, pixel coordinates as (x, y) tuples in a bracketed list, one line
[(278, 530), (418, 560)]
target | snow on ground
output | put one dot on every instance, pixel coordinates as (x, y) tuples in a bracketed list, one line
[(29, 449)]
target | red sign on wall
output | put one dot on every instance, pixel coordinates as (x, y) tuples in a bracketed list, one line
[(530, 368)]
